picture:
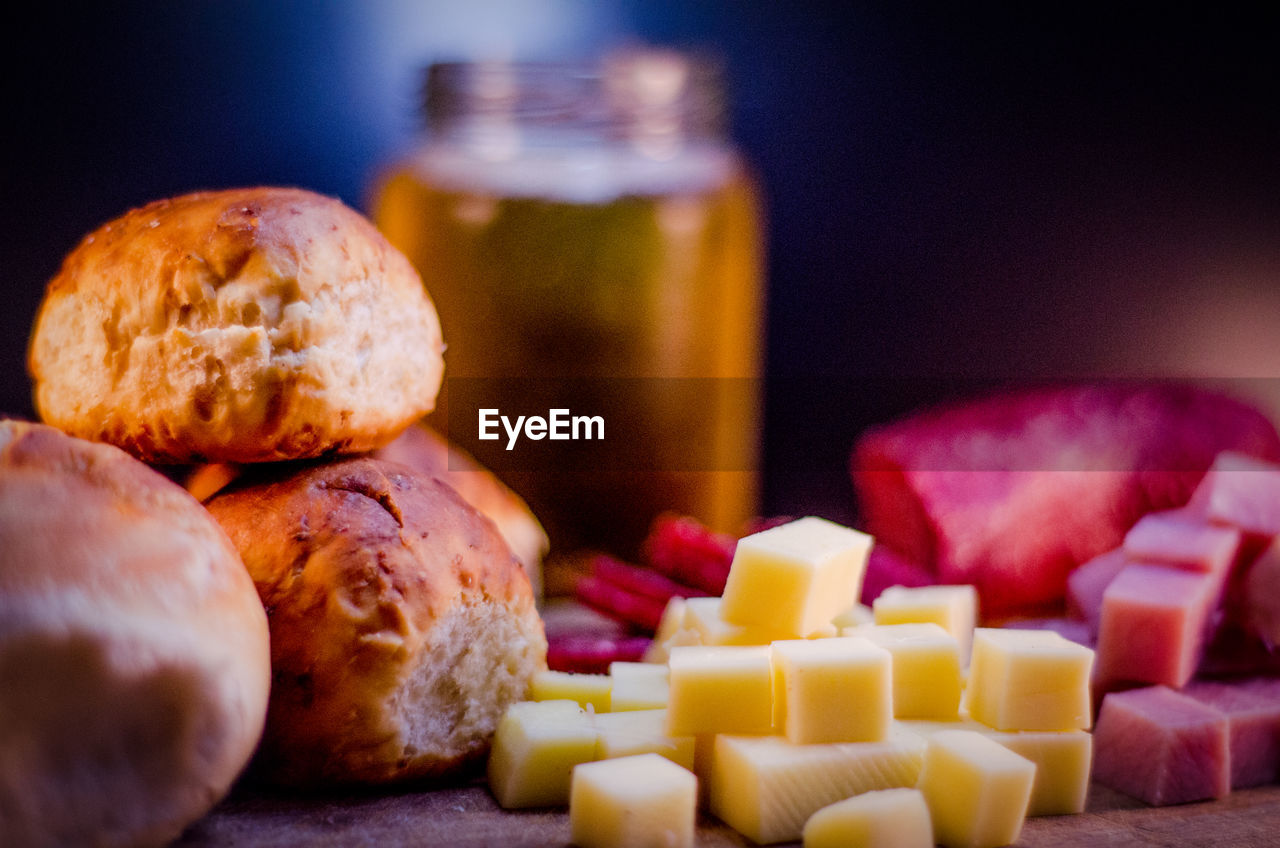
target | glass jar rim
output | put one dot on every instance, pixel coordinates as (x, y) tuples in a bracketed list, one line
[(623, 93)]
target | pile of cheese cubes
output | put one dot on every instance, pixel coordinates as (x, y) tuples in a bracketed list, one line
[(788, 711)]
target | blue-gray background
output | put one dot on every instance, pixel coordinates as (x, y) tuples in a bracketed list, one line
[(955, 192)]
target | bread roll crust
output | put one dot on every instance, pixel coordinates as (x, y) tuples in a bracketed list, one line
[(241, 325), (426, 451), (401, 625), (133, 648)]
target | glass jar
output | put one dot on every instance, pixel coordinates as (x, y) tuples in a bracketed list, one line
[(592, 222)]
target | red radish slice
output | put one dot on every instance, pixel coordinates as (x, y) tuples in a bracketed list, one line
[(688, 552), (641, 611), (640, 581), (593, 654), (565, 616)]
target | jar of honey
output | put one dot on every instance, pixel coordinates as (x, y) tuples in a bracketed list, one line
[(591, 222)]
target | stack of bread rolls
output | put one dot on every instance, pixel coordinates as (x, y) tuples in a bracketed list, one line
[(268, 347)]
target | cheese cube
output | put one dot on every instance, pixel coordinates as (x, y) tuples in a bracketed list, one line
[(856, 615), (883, 818), (927, 677), (641, 732), (588, 690), (703, 617), (668, 633), (637, 686), (926, 727), (1028, 680), (720, 690), (832, 690), (795, 577), (765, 787), (535, 747), (638, 801), (977, 790), (953, 608), (1062, 759)]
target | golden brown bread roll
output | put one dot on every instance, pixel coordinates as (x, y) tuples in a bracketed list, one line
[(426, 451), (423, 449), (401, 625), (242, 325), (133, 648)]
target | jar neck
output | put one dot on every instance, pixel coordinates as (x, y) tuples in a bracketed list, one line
[(654, 103)]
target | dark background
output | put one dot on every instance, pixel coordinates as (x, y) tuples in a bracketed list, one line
[(957, 194)]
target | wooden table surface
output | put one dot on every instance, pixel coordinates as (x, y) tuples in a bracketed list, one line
[(468, 816)]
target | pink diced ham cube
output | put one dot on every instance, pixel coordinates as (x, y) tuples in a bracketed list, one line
[(1256, 599), (1183, 538), (1162, 747), (1234, 651), (1252, 707), (1086, 584), (1241, 491), (1012, 492), (1154, 624)]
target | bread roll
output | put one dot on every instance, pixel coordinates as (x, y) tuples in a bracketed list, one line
[(427, 452), (401, 625), (133, 649), (242, 325), (424, 450)]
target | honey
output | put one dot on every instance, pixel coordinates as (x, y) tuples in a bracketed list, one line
[(589, 228)]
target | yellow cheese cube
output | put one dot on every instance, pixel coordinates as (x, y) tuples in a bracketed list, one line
[(883, 818), (703, 618), (641, 732), (637, 686), (535, 747), (977, 790), (672, 619), (670, 632), (765, 787), (953, 608), (720, 690), (927, 679), (832, 690), (856, 615), (589, 690), (928, 727), (795, 577), (1062, 758), (633, 802), (1028, 680)]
